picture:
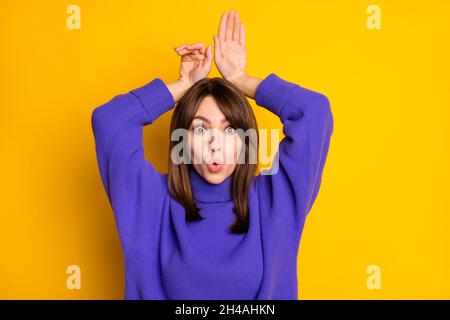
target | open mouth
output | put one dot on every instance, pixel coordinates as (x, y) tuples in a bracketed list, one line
[(215, 167)]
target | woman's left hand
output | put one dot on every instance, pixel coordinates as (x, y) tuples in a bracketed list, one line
[(196, 62), (230, 53)]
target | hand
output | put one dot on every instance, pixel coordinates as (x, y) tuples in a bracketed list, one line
[(196, 62), (230, 54)]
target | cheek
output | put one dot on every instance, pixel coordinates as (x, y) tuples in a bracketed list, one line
[(239, 144), (196, 147), (233, 147)]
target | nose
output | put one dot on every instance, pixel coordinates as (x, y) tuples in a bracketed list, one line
[(214, 144)]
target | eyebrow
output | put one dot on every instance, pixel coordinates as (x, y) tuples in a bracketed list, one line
[(208, 121)]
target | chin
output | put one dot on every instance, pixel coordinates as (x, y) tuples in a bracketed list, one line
[(218, 177), (214, 178)]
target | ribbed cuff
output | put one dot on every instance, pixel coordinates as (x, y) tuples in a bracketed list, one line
[(271, 93), (155, 97)]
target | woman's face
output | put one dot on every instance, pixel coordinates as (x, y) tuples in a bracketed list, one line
[(215, 145)]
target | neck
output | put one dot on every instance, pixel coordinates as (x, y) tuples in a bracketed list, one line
[(204, 191)]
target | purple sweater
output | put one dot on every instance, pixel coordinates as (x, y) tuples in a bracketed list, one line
[(166, 257)]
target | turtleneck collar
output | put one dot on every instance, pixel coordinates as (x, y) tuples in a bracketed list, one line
[(204, 191)]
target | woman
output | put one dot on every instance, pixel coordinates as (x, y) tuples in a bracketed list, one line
[(205, 230)]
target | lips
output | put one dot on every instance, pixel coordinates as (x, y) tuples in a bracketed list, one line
[(214, 167)]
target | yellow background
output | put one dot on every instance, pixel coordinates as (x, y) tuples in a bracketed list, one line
[(385, 195)]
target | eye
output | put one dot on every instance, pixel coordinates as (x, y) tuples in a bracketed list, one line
[(230, 130), (199, 129)]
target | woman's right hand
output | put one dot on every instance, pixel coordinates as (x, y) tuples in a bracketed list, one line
[(196, 61)]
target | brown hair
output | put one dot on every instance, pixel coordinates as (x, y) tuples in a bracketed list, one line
[(237, 110)]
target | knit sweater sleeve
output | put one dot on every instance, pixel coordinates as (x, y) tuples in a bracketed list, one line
[(127, 176), (291, 185)]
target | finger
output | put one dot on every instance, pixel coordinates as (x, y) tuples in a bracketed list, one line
[(184, 51), (180, 47), (201, 54), (197, 45), (237, 27), (230, 22), (242, 35), (208, 58), (197, 57), (223, 26)]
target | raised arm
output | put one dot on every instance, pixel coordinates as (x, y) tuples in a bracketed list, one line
[(128, 178), (118, 127), (291, 186)]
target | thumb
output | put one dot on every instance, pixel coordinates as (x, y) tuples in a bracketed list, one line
[(208, 58), (216, 45)]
